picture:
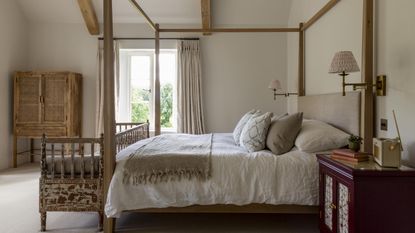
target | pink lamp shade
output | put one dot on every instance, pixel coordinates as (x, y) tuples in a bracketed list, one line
[(275, 85), (344, 61)]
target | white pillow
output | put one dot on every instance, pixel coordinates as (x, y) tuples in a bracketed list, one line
[(319, 136), (240, 126), (254, 134)]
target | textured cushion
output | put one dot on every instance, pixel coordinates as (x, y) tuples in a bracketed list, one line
[(77, 164), (255, 132), (282, 133), (319, 136), (240, 126)]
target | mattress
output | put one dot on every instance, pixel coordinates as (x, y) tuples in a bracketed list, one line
[(238, 177)]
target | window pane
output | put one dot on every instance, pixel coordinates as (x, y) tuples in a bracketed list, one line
[(167, 83), (140, 72), (140, 88)]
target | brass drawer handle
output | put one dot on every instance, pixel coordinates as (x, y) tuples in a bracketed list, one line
[(333, 206)]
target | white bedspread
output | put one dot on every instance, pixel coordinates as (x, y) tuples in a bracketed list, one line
[(238, 177)]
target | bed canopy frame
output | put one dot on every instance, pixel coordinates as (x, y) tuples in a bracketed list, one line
[(207, 29)]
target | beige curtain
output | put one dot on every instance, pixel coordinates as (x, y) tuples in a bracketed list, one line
[(189, 88), (99, 125)]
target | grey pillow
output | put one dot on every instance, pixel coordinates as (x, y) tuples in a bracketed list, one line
[(275, 118), (283, 132), (240, 126), (255, 131), (318, 136)]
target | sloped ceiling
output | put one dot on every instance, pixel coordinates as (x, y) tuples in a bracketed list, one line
[(224, 12)]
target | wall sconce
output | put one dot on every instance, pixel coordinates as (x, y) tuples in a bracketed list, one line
[(275, 85), (344, 63)]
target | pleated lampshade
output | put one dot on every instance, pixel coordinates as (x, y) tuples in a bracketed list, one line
[(344, 61)]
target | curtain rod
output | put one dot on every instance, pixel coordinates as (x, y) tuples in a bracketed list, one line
[(144, 38)]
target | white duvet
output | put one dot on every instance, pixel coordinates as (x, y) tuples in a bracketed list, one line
[(238, 177)]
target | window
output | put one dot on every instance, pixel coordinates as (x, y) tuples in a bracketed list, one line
[(137, 73)]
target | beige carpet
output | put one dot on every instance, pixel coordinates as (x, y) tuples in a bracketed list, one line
[(19, 214)]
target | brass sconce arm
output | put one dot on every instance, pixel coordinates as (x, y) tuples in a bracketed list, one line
[(288, 94), (379, 85), (282, 94)]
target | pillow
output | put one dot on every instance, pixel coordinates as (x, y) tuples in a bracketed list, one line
[(319, 136), (275, 118), (240, 126), (282, 133), (255, 132)]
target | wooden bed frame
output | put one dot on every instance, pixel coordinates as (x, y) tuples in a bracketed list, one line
[(109, 113), (341, 112)]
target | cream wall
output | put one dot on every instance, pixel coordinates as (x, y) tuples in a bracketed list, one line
[(236, 68), (67, 47), (395, 49), (13, 51), (341, 29), (236, 72)]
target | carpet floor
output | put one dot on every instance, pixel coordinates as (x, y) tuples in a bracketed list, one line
[(19, 214)]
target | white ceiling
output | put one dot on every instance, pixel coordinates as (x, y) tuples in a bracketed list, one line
[(225, 12), (67, 11)]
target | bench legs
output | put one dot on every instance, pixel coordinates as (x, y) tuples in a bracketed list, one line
[(101, 221), (43, 221)]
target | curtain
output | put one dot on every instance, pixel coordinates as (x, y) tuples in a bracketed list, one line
[(99, 125), (189, 87)]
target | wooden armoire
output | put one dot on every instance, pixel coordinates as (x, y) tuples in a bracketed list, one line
[(46, 103)]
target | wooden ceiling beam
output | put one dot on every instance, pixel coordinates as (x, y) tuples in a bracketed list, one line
[(206, 16), (320, 14), (90, 17), (149, 21), (232, 30)]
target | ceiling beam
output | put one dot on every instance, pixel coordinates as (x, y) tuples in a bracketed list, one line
[(320, 14), (206, 16), (233, 30), (149, 21), (90, 17)]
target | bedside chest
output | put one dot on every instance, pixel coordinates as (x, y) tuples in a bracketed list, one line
[(365, 198)]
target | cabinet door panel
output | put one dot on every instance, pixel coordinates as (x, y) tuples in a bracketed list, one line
[(28, 92), (328, 202), (54, 93), (343, 214)]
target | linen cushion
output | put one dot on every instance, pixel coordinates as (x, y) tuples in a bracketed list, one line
[(240, 126), (67, 161), (283, 132), (319, 136), (255, 132)]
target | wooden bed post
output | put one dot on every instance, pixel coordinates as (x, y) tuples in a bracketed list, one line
[(367, 76), (109, 108), (157, 126), (301, 62)]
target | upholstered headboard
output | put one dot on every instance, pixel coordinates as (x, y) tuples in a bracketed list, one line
[(342, 112)]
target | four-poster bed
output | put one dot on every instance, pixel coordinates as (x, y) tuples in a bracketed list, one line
[(367, 129), (110, 139)]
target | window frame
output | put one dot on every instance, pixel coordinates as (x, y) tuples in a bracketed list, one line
[(126, 56)]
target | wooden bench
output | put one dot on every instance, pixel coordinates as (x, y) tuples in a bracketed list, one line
[(72, 171)]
